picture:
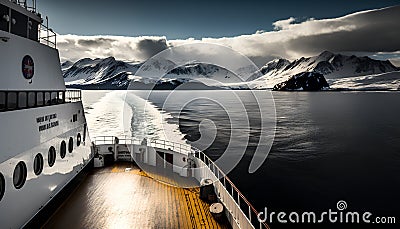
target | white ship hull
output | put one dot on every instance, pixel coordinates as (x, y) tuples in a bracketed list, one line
[(22, 142), (36, 116)]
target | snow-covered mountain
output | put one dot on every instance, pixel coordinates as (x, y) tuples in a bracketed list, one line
[(106, 72), (332, 66), (114, 74), (340, 71)]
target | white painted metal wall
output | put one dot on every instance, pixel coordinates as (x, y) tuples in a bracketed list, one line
[(47, 70), (23, 143)]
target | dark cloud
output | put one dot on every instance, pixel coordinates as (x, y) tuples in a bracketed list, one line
[(96, 42), (375, 31), (150, 47)]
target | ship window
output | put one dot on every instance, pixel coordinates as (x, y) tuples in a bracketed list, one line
[(2, 100), (63, 149), (52, 156), (38, 164), (19, 24), (70, 145), (40, 99), (2, 186), (54, 98), (5, 18), (12, 100), (19, 176), (47, 98), (22, 101), (61, 97), (31, 99), (33, 28), (78, 139)]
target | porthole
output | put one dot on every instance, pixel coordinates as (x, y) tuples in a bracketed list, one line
[(19, 176), (70, 145), (38, 164), (52, 156), (78, 139), (2, 186), (63, 149)]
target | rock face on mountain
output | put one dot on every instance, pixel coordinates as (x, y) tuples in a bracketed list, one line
[(305, 81)]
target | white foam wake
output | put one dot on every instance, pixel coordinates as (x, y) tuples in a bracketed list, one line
[(124, 114), (150, 122), (105, 115)]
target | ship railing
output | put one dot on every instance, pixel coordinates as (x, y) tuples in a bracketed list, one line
[(156, 143), (111, 140), (46, 35), (242, 211), (73, 95), (29, 5)]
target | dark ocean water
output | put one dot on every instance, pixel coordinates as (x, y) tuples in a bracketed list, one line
[(329, 146)]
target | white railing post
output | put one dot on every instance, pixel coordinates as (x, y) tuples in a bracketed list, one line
[(238, 199), (249, 213)]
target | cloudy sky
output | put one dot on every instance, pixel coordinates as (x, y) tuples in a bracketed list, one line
[(262, 30)]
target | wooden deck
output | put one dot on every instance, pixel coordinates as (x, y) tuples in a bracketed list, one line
[(122, 196)]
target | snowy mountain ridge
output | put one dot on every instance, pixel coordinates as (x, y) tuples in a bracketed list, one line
[(340, 71), (331, 65)]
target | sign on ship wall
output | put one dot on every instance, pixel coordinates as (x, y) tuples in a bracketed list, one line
[(47, 122)]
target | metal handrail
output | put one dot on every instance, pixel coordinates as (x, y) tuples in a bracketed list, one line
[(24, 4), (73, 95), (218, 173), (50, 37), (46, 35)]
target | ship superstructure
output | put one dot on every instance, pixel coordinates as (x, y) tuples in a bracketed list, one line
[(44, 141)]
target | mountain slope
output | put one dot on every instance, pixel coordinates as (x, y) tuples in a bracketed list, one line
[(340, 71), (113, 74), (98, 71), (331, 66), (383, 81)]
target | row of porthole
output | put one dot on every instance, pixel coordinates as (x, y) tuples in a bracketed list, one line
[(20, 171)]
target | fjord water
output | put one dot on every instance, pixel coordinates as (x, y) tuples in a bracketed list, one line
[(329, 146)]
